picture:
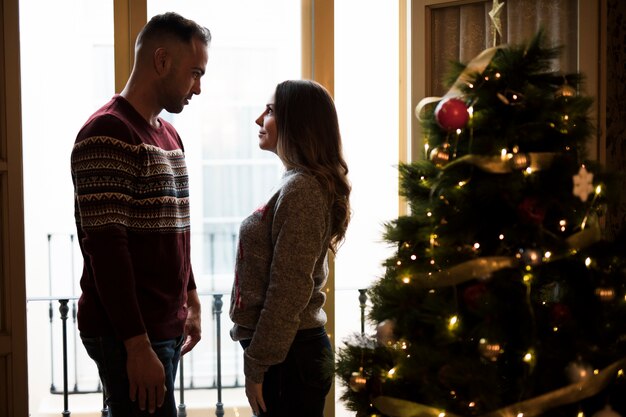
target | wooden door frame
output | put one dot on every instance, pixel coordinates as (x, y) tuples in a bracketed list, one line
[(13, 353)]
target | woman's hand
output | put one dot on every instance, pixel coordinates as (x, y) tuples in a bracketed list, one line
[(254, 392)]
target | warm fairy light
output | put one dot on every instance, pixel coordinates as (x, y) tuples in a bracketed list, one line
[(433, 238), (620, 373), (497, 75), (470, 85), (406, 280), (471, 404), (391, 372), (555, 329), (515, 149), (515, 97), (588, 262), (432, 261), (413, 257), (476, 245), (565, 117), (520, 414), (399, 263), (528, 277), (486, 78), (598, 189), (442, 414), (596, 371), (462, 183), (429, 213), (454, 321), (422, 178), (407, 245), (563, 223), (547, 255), (426, 148), (580, 414), (470, 110), (458, 131), (529, 171), (503, 153), (528, 357), (501, 237)]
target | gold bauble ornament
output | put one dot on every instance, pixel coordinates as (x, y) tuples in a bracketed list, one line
[(385, 332), (578, 371), (440, 155), (565, 90), (605, 294), (490, 350), (357, 381), (607, 411)]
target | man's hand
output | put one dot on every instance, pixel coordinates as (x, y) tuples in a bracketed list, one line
[(192, 324), (254, 392), (146, 375)]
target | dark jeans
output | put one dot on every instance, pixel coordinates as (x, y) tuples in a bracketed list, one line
[(298, 386), (110, 357)]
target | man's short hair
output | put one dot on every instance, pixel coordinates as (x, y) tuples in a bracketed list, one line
[(170, 24)]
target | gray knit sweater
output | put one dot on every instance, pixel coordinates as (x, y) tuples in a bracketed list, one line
[(280, 271)]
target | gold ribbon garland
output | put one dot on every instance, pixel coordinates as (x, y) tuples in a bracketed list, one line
[(504, 165), (476, 65), (589, 387), (484, 267)]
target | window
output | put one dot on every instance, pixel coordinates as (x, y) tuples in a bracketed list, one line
[(255, 46)]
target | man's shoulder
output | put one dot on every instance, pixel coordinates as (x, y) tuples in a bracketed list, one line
[(108, 121)]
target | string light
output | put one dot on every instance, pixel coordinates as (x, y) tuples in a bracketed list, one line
[(588, 262), (413, 257), (453, 322), (406, 280), (501, 237)]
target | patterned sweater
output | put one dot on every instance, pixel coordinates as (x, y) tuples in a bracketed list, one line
[(280, 271), (132, 216)]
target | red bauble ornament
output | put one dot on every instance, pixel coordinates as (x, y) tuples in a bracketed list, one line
[(451, 114)]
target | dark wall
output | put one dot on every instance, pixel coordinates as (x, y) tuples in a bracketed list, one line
[(616, 104)]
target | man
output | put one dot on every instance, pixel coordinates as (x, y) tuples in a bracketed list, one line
[(139, 309)]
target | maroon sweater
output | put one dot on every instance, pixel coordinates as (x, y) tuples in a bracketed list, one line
[(132, 216)]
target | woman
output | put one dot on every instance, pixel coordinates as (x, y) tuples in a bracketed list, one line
[(281, 267)]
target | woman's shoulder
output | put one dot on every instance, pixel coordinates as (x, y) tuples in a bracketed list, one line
[(301, 185)]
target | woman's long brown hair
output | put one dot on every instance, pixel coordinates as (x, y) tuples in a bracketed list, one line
[(309, 140)]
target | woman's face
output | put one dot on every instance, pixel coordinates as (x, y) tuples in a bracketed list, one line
[(268, 136)]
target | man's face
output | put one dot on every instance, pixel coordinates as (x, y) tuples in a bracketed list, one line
[(183, 80)]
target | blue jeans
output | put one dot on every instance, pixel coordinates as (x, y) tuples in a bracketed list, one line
[(298, 386), (109, 354)]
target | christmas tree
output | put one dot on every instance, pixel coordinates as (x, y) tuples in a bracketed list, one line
[(504, 297)]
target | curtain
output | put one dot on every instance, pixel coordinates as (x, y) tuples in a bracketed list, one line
[(461, 32)]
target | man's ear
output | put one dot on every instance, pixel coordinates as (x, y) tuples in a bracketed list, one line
[(161, 60)]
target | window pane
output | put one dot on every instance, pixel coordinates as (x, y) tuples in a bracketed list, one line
[(255, 45), (67, 72)]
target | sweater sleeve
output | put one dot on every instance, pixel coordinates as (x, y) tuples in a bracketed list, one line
[(103, 172), (299, 232)]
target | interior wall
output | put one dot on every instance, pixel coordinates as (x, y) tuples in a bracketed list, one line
[(615, 104)]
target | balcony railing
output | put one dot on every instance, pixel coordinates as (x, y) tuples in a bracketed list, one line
[(215, 364)]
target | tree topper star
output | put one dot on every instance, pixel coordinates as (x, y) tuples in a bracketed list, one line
[(494, 15)]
